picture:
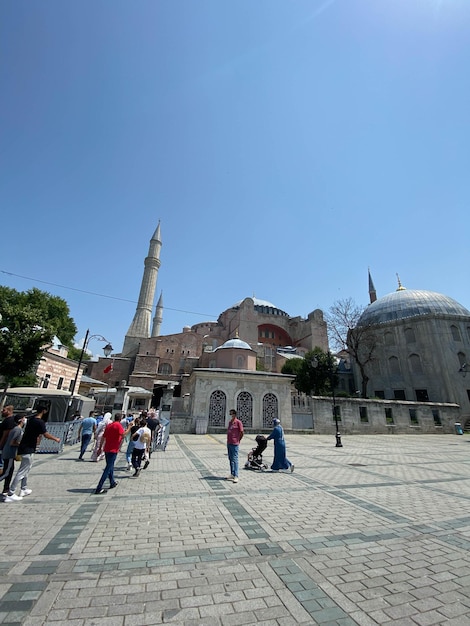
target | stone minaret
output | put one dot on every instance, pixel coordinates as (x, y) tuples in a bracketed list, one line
[(158, 319), (372, 292), (140, 327)]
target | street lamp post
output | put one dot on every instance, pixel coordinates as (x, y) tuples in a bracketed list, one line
[(107, 351), (314, 363)]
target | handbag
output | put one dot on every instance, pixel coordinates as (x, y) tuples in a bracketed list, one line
[(135, 437)]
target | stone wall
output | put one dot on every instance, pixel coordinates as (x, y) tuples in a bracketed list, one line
[(381, 416)]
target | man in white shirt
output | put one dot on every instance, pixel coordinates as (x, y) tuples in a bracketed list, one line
[(142, 438)]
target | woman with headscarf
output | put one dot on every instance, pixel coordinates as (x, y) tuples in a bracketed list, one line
[(98, 452), (280, 461)]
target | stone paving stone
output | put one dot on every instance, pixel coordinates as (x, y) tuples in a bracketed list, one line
[(392, 529)]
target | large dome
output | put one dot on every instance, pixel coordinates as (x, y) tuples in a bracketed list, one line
[(263, 306), (405, 303)]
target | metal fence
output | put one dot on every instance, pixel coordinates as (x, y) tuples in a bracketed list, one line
[(68, 434), (160, 442)]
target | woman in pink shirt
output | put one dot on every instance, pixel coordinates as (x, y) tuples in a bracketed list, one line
[(234, 436)]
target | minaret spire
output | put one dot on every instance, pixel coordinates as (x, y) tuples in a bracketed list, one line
[(140, 326), (372, 292), (158, 319)]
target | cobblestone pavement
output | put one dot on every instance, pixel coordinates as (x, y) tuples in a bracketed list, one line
[(376, 532)]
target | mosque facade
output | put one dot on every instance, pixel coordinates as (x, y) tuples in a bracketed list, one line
[(422, 348), (421, 354)]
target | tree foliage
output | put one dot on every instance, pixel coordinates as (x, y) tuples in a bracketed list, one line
[(22, 339), (51, 310), (358, 340), (29, 321), (315, 374)]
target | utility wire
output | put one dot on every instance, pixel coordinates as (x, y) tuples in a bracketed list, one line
[(102, 295)]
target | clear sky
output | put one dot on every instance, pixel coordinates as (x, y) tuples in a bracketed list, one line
[(285, 145)]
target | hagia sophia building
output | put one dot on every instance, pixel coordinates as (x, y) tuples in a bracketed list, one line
[(423, 345)]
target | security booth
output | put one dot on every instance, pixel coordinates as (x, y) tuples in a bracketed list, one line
[(62, 406)]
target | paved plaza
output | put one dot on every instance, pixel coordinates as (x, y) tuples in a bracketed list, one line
[(376, 532)]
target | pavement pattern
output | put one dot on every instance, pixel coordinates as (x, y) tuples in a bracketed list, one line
[(376, 532)]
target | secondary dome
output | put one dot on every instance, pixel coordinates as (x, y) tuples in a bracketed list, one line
[(405, 303), (234, 343)]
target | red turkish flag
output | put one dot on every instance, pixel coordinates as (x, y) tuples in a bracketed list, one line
[(108, 369)]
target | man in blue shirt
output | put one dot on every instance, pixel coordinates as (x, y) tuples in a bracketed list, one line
[(86, 431)]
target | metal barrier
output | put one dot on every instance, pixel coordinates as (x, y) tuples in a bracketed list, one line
[(161, 440), (68, 433)]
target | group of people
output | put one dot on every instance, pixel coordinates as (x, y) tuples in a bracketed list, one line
[(137, 432), (235, 434), (19, 438)]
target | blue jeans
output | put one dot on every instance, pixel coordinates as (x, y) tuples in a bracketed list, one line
[(108, 471), (233, 458), (86, 438)]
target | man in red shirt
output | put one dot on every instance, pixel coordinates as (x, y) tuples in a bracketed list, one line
[(113, 435), (234, 436)]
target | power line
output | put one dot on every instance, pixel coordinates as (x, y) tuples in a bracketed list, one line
[(102, 295)]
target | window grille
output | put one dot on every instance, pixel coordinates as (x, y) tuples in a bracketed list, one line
[(270, 409), (217, 408)]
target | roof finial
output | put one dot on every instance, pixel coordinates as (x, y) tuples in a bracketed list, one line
[(400, 286)]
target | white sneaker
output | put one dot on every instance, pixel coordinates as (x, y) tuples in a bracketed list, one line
[(229, 477), (235, 479), (292, 467), (25, 492), (13, 498)]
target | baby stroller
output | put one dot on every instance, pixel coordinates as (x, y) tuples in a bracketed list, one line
[(255, 457)]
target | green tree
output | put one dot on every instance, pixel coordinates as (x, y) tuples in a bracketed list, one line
[(292, 366), (51, 310), (23, 337), (316, 374), (29, 321)]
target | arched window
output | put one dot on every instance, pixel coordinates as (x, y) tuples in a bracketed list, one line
[(217, 408), (270, 409), (165, 369), (389, 339), (245, 408), (410, 335), (394, 365), (462, 358), (415, 363), (455, 333)]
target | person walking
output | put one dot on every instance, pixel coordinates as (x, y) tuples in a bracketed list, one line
[(7, 423), (34, 431), (234, 436), (86, 430), (142, 439), (280, 461), (112, 438), (10, 450), (98, 453)]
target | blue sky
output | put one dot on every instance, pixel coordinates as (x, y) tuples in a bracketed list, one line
[(285, 145)]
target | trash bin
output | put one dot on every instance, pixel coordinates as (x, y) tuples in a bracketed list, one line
[(458, 428)]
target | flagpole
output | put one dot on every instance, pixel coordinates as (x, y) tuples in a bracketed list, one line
[(107, 371)]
